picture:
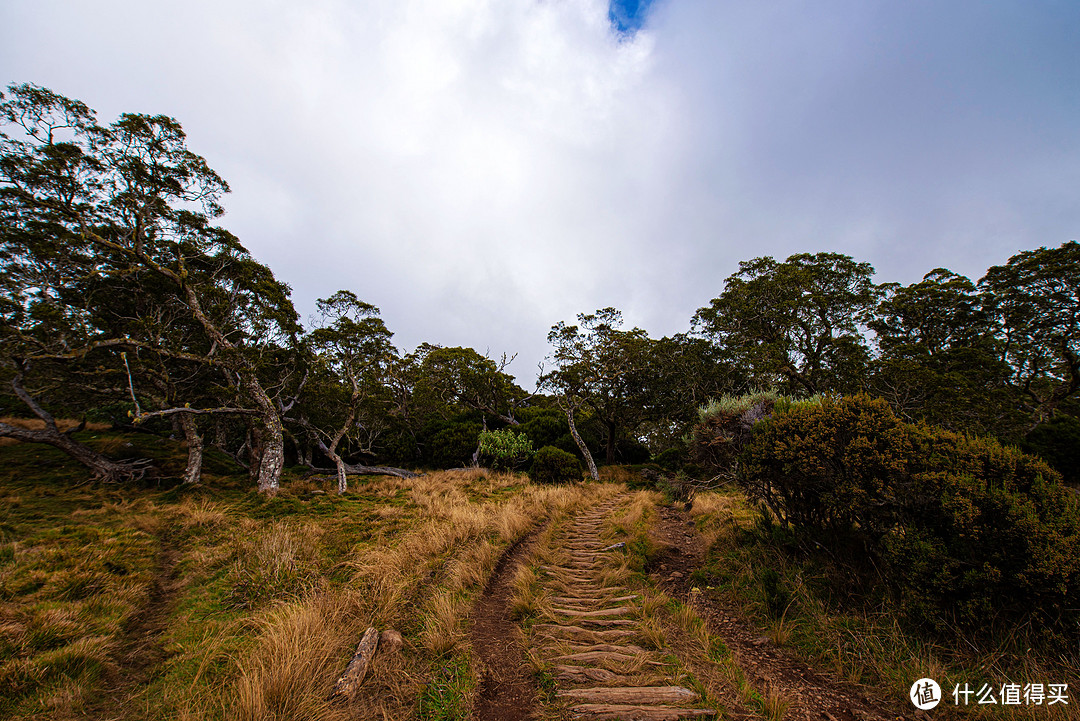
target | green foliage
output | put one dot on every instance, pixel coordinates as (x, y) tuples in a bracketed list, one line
[(821, 466), (964, 530), (454, 444), (796, 322), (505, 448), (940, 361), (446, 696), (724, 426), (672, 459), (1035, 300), (553, 465), (1058, 443)]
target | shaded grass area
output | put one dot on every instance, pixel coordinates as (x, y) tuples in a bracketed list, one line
[(808, 602), (255, 603)]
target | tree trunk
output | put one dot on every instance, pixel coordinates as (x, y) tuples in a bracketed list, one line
[(193, 472), (272, 458), (103, 469), (342, 484), (581, 444)]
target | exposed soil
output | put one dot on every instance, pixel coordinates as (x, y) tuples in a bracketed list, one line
[(813, 694), (141, 651), (508, 690)]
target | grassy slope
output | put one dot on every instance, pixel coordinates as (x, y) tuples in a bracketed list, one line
[(217, 603)]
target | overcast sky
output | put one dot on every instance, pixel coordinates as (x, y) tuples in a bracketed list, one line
[(482, 169)]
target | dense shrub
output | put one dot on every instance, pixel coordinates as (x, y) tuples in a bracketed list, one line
[(984, 532), (672, 459), (544, 426), (504, 448), (1058, 443), (723, 429), (552, 465), (828, 467), (964, 530), (453, 445)]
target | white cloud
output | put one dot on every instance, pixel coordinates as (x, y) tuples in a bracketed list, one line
[(481, 169)]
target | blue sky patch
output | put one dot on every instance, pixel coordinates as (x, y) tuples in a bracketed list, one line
[(627, 16)]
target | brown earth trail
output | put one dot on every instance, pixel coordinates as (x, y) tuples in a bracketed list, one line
[(597, 642)]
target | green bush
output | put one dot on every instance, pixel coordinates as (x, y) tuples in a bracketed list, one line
[(829, 467), (671, 459), (724, 426), (965, 531), (984, 532), (1058, 443), (553, 465), (453, 445), (505, 448)]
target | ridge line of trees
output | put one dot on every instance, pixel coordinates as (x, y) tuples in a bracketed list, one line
[(121, 299)]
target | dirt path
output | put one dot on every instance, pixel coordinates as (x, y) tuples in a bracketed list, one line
[(604, 662), (812, 694), (141, 651), (508, 689), (613, 652)]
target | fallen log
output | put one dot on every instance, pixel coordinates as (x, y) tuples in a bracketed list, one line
[(355, 672), (369, 471)]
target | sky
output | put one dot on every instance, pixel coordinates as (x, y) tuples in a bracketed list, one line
[(483, 169)]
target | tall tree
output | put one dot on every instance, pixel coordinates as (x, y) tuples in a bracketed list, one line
[(796, 323), (1035, 298), (938, 357), (346, 400), (603, 367), (463, 377), (78, 199)]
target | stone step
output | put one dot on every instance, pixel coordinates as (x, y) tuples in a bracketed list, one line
[(611, 648), (577, 633), (602, 657)]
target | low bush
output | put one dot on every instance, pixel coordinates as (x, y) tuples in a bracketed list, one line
[(504, 448), (829, 468), (552, 465), (724, 426), (965, 531), (1058, 443)]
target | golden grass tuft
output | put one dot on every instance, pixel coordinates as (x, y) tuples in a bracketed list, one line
[(288, 673)]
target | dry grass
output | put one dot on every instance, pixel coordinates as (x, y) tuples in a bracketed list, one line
[(438, 567)]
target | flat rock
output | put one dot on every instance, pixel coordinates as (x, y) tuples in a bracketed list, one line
[(631, 695)]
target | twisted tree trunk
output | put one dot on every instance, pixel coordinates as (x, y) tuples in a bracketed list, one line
[(193, 472), (102, 468), (569, 408)]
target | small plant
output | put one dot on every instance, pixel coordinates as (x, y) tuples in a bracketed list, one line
[(552, 465), (505, 448)]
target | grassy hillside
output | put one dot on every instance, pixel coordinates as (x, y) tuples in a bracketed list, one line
[(217, 603)]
